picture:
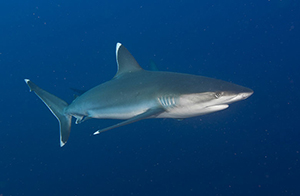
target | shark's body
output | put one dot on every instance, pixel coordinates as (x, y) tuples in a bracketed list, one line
[(135, 94)]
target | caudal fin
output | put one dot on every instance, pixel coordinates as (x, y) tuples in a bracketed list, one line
[(57, 107)]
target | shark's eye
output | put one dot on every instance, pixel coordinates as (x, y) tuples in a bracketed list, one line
[(218, 95)]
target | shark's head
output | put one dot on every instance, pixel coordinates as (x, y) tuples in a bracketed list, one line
[(221, 92), (210, 96)]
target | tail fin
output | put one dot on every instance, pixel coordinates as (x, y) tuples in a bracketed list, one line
[(57, 107)]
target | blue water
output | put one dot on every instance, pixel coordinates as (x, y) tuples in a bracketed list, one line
[(251, 148)]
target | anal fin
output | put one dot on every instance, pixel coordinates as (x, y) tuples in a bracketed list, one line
[(150, 112)]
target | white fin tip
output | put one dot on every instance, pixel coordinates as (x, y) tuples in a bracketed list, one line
[(62, 143), (96, 133), (26, 80), (117, 47)]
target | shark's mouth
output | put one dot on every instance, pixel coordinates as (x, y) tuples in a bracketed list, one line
[(214, 108)]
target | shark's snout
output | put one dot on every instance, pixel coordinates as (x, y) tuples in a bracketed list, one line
[(245, 95), (247, 92), (241, 96)]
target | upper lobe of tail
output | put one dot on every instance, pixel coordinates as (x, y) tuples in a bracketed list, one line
[(57, 107)]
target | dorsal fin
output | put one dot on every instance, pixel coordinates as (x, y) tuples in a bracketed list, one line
[(125, 61)]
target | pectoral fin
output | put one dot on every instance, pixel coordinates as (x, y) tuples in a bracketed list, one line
[(149, 113)]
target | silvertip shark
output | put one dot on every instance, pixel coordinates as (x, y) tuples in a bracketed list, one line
[(134, 94)]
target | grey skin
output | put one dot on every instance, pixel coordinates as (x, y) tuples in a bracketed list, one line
[(135, 94)]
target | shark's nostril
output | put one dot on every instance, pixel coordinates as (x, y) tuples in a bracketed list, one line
[(246, 95)]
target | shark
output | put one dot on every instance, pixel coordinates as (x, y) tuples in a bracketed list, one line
[(134, 94)]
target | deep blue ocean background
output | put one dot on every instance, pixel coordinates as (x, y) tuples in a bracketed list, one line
[(251, 148)]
